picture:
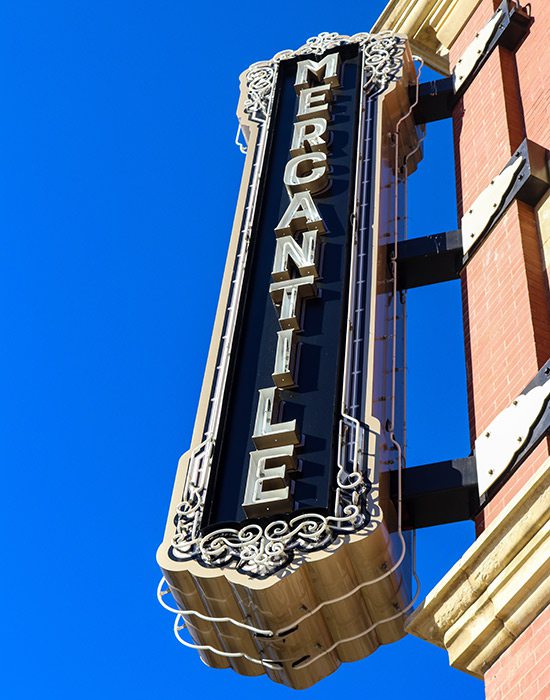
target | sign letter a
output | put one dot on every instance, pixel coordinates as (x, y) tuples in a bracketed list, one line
[(300, 214)]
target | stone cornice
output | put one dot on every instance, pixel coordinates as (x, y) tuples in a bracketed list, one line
[(497, 588), (431, 25)]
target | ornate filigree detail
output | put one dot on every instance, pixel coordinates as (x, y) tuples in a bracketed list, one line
[(257, 549), (261, 550), (259, 85), (317, 45), (382, 58), (325, 41), (352, 488)]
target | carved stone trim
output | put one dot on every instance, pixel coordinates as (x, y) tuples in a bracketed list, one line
[(432, 26), (498, 587)]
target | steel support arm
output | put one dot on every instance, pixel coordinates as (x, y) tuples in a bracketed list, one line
[(428, 259), (508, 27), (437, 494)]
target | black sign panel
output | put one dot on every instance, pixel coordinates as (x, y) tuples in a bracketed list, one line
[(315, 402)]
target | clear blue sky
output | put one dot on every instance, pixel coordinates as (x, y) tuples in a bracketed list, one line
[(119, 180)]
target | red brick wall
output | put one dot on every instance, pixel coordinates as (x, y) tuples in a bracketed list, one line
[(506, 297), (505, 287), (534, 76), (523, 671)]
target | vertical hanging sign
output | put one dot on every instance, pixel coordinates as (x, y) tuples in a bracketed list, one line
[(279, 523)]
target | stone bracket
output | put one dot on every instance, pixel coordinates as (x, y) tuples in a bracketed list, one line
[(508, 27), (524, 177), (497, 588), (513, 435)]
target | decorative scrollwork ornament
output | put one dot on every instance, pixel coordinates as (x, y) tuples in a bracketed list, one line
[(259, 82)]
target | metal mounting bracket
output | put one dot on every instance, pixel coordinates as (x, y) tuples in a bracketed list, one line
[(513, 434), (437, 494), (436, 99), (457, 489), (428, 259), (508, 27), (524, 177)]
